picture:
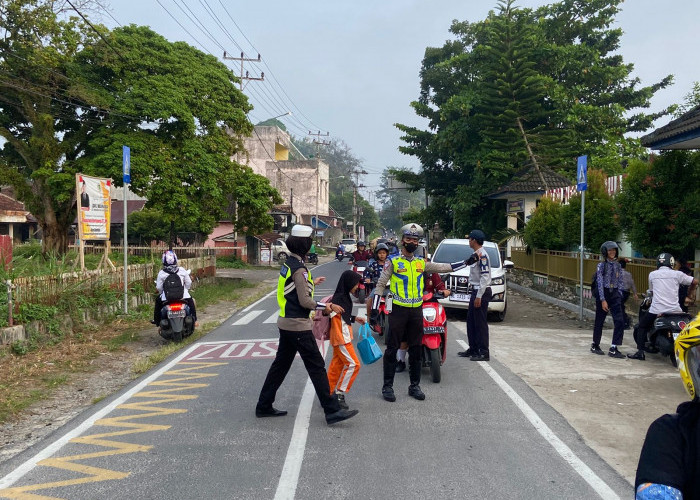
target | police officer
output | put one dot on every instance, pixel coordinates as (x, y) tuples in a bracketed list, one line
[(405, 277), (479, 298), (295, 291)]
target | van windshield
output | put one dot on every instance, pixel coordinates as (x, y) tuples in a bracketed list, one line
[(348, 242), (454, 252)]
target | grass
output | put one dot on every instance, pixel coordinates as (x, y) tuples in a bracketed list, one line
[(30, 377)]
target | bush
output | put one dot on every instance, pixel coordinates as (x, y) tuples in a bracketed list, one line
[(543, 228)]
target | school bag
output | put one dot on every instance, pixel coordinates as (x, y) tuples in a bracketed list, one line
[(321, 327), (594, 281), (173, 287)]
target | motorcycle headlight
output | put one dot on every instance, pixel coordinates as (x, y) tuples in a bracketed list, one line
[(429, 315), (498, 281)]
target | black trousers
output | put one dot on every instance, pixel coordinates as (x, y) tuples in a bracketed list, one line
[(625, 316), (612, 297), (477, 324), (405, 325), (643, 327), (290, 344)]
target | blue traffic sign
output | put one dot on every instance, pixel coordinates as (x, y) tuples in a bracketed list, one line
[(126, 162), (582, 173)]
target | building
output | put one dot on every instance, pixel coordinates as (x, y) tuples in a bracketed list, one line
[(15, 221)]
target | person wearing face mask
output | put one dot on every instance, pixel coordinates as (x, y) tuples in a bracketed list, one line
[(404, 275)]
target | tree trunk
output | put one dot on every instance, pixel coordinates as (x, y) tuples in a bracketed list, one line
[(55, 239), (532, 156)]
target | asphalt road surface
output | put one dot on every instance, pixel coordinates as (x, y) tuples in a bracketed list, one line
[(188, 430)]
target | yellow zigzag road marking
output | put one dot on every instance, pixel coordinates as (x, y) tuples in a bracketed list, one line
[(127, 422)]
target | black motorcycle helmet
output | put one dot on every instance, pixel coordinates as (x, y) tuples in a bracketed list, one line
[(361, 244), (607, 246), (381, 246), (665, 259)]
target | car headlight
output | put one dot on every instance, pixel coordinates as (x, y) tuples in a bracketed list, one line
[(498, 281), (429, 314)]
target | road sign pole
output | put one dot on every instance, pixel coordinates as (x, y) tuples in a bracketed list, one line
[(126, 164)]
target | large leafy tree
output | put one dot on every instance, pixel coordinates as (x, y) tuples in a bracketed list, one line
[(177, 109), (524, 87), (659, 205)]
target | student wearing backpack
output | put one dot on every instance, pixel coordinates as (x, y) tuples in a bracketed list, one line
[(344, 367), (173, 283), (607, 290)]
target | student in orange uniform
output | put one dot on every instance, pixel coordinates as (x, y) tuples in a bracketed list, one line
[(344, 366)]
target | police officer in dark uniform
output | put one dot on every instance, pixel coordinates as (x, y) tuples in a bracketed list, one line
[(405, 277), (479, 298), (295, 291)]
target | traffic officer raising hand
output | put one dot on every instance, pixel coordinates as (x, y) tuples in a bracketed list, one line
[(404, 275)]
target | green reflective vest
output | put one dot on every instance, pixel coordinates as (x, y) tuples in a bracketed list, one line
[(287, 297), (407, 281)]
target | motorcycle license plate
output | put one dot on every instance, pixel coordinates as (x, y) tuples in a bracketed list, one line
[(176, 314), (434, 329), (459, 297)]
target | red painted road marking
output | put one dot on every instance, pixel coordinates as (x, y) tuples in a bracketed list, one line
[(239, 349)]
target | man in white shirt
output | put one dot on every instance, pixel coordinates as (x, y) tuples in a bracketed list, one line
[(664, 283)]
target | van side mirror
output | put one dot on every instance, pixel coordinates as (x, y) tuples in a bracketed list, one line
[(508, 264)]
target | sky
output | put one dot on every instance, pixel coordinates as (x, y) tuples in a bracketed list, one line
[(351, 69)]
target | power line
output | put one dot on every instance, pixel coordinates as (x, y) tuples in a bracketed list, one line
[(96, 31)]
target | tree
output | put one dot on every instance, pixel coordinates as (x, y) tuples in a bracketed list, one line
[(543, 228), (600, 222), (659, 205), (149, 225), (524, 87)]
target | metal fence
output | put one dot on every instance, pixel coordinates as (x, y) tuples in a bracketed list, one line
[(565, 265)]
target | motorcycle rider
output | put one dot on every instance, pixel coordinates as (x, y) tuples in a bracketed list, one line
[(405, 277), (668, 464), (663, 283), (609, 289), (374, 270), (361, 253), (170, 266)]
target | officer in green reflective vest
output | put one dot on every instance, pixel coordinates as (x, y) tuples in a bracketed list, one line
[(404, 276), (295, 292)]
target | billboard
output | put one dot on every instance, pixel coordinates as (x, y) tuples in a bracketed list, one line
[(94, 207)]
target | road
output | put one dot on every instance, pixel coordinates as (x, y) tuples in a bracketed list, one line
[(188, 430)]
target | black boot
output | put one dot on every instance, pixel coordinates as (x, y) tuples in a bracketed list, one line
[(414, 374), (389, 370), (637, 355)]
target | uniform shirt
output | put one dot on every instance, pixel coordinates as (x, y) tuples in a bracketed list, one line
[(664, 282), (609, 275), (628, 282), (184, 277), (430, 267), (306, 301), (480, 273)]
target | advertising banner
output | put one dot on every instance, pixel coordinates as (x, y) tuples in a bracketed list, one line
[(94, 207)]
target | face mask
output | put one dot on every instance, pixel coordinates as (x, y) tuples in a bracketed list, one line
[(410, 247)]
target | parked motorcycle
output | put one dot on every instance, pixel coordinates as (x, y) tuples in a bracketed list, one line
[(664, 331), (359, 267), (339, 254), (434, 334), (313, 258), (176, 321)]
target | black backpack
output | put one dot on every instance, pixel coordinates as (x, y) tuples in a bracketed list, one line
[(173, 287)]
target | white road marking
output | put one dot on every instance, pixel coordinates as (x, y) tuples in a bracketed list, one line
[(259, 300), (273, 317), (600, 487), (287, 486), (51, 449), (247, 318)]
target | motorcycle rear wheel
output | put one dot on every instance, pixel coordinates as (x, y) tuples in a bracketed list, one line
[(384, 326), (177, 336), (435, 365)]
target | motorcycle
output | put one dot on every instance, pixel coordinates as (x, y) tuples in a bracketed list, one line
[(381, 325), (663, 333), (176, 321), (313, 258), (339, 254), (434, 335), (359, 267)]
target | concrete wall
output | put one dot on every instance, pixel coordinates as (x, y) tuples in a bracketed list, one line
[(302, 184), (265, 143)]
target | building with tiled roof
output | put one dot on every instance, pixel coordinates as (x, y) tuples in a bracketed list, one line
[(681, 133), (15, 220)]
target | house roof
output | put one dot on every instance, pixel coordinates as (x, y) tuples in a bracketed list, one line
[(118, 209), (9, 204), (528, 180), (681, 133), (281, 209)]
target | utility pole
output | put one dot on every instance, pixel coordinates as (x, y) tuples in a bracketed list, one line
[(243, 59), (318, 143), (355, 211)]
